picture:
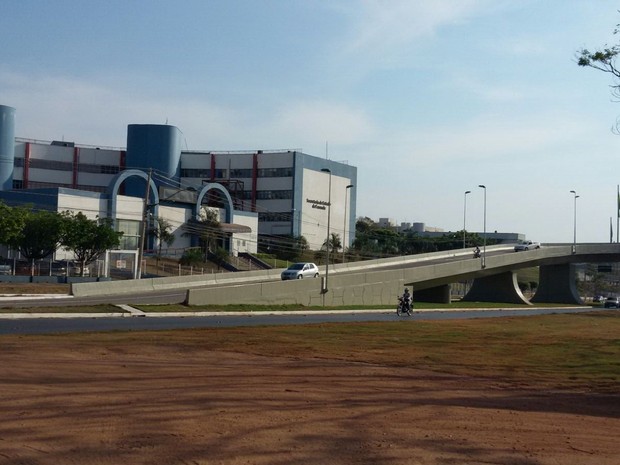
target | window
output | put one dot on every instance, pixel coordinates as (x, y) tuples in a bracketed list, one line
[(274, 195), (44, 185), (275, 172), (275, 216), (240, 173), (131, 233), (102, 169), (196, 173), (51, 164)]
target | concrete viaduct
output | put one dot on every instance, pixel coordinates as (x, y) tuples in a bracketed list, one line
[(378, 282)]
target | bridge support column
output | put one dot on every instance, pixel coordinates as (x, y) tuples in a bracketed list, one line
[(439, 294), (501, 287), (557, 285)]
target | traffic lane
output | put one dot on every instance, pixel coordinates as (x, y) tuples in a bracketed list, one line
[(436, 261), (171, 296), (134, 323)]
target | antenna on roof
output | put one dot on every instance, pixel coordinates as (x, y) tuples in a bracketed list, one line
[(326, 150)]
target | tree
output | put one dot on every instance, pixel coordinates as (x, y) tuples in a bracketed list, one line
[(41, 235), (162, 230), (12, 220), (88, 239), (334, 244), (604, 60), (192, 257), (208, 228), (290, 248)]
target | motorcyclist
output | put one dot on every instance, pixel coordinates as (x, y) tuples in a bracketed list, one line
[(406, 300), (477, 252)]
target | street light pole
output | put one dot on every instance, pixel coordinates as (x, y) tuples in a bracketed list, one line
[(465, 214), (484, 247), (575, 197), (344, 229), (329, 211)]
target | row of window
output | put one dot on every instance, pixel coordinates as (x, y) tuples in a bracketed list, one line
[(203, 173), (239, 173), (275, 216), (100, 169), (246, 195), (45, 185), (19, 184), (67, 166), (268, 195)]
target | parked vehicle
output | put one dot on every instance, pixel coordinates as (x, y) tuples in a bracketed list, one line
[(612, 302), (300, 271), (527, 245)]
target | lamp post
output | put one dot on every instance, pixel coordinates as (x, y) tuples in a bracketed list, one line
[(575, 197), (344, 229), (465, 214), (484, 247), (329, 211)]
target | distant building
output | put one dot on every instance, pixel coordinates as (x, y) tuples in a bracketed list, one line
[(387, 222), (431, 231)]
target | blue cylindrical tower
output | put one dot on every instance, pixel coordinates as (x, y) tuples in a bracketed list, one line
[(7, 147), (156, 146)]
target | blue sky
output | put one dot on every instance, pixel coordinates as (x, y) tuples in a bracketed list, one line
[(427, 98)]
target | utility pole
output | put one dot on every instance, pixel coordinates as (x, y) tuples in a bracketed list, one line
[(145, 212)]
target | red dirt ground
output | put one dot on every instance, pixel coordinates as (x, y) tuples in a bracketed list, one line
[(143, 404)]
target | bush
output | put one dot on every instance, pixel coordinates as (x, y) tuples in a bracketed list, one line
[(192, 257)]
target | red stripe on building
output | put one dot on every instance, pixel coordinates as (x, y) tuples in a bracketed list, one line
[(26, 166), (254, 180), (122, 165), (212, 167), (76, 163)]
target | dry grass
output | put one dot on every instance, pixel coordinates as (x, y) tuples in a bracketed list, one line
[(577, 351), (33, 288)]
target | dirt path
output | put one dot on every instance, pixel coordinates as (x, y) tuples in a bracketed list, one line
[(144, 404)]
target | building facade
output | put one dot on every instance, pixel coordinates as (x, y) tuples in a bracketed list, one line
[(260, 196)]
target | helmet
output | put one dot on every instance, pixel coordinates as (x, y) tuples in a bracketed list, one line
[(406, 290)]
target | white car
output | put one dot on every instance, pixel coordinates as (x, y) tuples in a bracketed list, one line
[(527, 245), (300, 271)]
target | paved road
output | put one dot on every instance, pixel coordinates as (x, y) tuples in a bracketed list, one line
[(129, 323), (171, 296)]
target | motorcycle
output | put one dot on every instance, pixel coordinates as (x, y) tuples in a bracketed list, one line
[(476, 253), (404, 306)]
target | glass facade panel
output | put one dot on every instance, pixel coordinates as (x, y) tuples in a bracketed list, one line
[(131, 233)]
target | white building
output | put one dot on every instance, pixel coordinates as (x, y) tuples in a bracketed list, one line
[(260, 195)]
